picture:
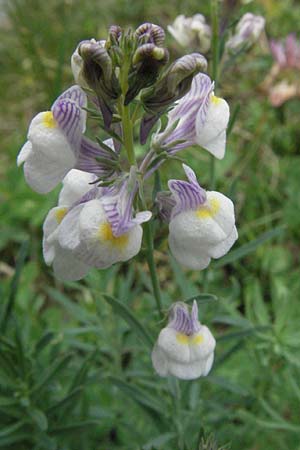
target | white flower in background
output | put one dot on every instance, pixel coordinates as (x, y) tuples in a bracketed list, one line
[(192, 32), (99, 229), (247, 32), (66, 265), (185, 348), (201, 223), (200, 118)]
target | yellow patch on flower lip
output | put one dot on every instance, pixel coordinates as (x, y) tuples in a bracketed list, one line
[(105, 234), (60, 214), (215, 100), (209, 210), (192, 340), (48, 120)]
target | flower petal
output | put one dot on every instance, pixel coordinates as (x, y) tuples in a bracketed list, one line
[(212, 134), (24, 153), (75, 184), (68, 267), (71, 120)]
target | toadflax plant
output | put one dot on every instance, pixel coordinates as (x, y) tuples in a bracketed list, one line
[(128, 84)]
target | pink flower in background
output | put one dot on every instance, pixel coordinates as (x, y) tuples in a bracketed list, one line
[(286, 53)]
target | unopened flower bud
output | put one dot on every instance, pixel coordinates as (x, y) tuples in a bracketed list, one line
[(99, 75), (150, 33), (147, 62)]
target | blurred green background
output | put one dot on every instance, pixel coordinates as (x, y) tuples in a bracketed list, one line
[(73, 374)]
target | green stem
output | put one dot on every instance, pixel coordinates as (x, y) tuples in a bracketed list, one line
[(128, 134), (212, 173), (151, 264), (215, 40), (215, 70), (127, 123)]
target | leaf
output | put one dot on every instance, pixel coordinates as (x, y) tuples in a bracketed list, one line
[(233, 321), (21, 436), (228, 385), (109, 150), (14, 285), (38, 418), (233, 118), (10, 429), (184, 284), (43, 341), (78, 312), (68, 400), (79, 426), (143, 398), (159, 441), (51, 372), (226, 355), (256, 309), (124, 312), (242, 334), (248, 248), (271, 425)]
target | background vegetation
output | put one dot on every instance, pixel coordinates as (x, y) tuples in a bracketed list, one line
[(73, 374)]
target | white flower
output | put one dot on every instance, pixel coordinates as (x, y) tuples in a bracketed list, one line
[(185, 348), (54, 141), (202, 224), (191, 32), (248, 30), (99, 229), (66, 265), (201, 119)]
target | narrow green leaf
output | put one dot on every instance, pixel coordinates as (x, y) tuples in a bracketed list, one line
[(248, 248), (74, 427), (39, 418), (43, 342), (14, 285), (241, 334), (10, 429), (271, 425), (6, 442), (109, 150), (233, 118), (159, 441), (51, 372), (226, 355), (228, 385), (68, 400), (143, 398), (124, 312)]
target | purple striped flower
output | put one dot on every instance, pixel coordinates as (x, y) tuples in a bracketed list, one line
[(106, 229), (185, 348), (199, 118), (56, 144), (201, 223)]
